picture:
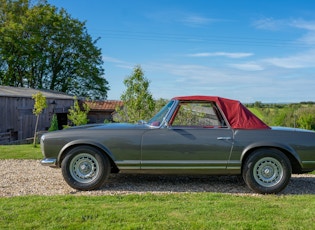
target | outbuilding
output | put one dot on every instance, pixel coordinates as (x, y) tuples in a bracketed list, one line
[(102, 111), (17, 121)]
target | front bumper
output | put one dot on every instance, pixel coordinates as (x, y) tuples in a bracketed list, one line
[(52, 162)]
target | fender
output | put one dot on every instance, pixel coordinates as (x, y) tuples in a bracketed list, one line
[(84, 142), (278, 145)]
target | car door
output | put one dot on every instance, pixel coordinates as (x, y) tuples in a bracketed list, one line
[(194, 141), (186, 149)]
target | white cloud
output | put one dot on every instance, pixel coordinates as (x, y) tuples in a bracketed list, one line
[(249, 66), (301, 60), (269, 24), (222, 54), (194, 20), (276, 24), (111, 59), (303, 24), (308, 38)]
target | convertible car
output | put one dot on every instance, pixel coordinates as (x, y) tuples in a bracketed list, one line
[(190, 135)]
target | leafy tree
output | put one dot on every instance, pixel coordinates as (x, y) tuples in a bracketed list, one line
[(306, 121), (159, 104), (300, 115), (54, 124), (78, 116), (138, 101), (43, 47), (306, 117), (39, 105)]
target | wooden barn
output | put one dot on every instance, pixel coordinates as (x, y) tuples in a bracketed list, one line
[(17, 121)]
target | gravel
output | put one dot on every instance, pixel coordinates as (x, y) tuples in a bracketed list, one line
[(29, 177)]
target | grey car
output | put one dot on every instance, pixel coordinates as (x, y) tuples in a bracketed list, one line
[(190, 135)]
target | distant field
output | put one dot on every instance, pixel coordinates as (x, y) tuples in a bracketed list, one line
[(298, 115), (257, 112)]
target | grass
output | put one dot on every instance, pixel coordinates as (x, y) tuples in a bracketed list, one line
[(152, 211), (257, 112), (20, 152), (149, 211)]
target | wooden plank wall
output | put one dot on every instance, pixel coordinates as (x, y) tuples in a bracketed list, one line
[(16, 115)]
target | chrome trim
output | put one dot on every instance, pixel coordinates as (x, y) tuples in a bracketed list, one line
[(224, 138), (49, 162)]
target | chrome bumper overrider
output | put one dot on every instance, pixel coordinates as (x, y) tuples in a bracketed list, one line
[(49, 162)]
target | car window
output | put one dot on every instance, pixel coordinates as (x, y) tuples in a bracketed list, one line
[(198, 114), (158, 118)]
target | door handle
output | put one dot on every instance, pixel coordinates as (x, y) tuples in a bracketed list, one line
[(224, 138)]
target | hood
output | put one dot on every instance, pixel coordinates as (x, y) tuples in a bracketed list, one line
[(109, 126)]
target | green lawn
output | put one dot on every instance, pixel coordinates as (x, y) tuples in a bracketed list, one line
[(149, 211), (152, 211), (20, 152)]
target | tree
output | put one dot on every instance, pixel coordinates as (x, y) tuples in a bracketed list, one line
[(43, 47), (78, 116), (39, 105), (306, 117), (138, 101), (53, 124)]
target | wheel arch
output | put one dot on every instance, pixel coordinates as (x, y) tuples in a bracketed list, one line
[(290, 153), (103, 149)]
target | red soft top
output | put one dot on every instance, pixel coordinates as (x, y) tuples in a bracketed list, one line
[(238, 116)]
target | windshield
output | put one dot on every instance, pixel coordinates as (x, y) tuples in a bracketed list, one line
[(159, 117)]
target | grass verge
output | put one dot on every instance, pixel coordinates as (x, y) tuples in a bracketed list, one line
[(20, 152), (149, 211)]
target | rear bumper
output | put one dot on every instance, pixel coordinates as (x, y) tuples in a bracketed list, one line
[(52, 162)]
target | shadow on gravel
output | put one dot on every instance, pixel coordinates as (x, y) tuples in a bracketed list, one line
[(176, 184)]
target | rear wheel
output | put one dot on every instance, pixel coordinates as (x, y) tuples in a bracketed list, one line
[(85, 168), (267, 171)]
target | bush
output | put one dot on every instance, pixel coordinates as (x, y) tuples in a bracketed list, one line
[(53, 124)]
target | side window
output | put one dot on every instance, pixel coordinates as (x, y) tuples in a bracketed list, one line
[(198, 114)]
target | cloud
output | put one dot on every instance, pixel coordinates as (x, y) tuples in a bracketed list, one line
[(276, 24), (177, 16), (111, 59), (195, 20), (269, 24), (249, 66), (301, 60), (303, 24), (309, 37), (118, 63), (222, 54), (268, 85)]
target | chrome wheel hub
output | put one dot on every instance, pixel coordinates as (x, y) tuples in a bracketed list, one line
[(268, 171), (84, 168)]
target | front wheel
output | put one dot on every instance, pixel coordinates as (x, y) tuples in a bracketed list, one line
[(267, 171), (85, 168)]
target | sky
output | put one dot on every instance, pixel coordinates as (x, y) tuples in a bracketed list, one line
[(239, 49)]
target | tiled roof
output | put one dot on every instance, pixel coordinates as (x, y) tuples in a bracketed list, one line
[(109, 105), (8, 91)]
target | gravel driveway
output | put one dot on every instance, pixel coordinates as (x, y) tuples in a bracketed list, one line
[(28, 177)]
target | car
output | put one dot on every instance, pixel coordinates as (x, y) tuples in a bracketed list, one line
[(205, 135)]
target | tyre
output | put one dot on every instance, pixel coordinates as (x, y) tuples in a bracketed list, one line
[(85, 168), (267, 171)]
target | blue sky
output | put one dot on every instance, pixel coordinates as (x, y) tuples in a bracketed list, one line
[(239, 49)]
